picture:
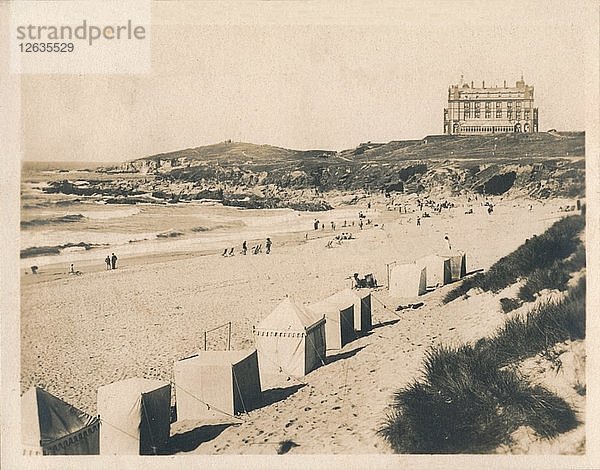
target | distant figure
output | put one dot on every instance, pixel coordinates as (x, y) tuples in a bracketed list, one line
[(360, 224), (322, 226), (368, 205), (34, 269), (316, 224), (353, 223), (578, 205), (71, 269), (531, 206), (224, 252), (418, 220), (231, 253), (244, 247), (448, 242), (490, 209), (345, 225), (306, 236), (333, 225), (268, 245), (107, 261), (113, 261)]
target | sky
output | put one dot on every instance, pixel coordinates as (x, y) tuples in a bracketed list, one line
[(307, 75)]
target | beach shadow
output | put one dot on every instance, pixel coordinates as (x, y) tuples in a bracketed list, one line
[(386, 323), (470, 273), (344, 355), (273, 395), (190, 440)]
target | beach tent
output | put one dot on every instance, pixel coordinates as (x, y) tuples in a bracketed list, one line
[(438, 269), (407, 280), (290, 341), (338, 310), (50, 426), (361, 299), (458, 265), (217, 384), (135, 415)]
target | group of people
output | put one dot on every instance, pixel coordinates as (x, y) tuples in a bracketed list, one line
[(111, 261), (256, 249)]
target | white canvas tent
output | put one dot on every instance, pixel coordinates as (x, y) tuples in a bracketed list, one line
[(290, 341), (437, 268), (338, 310), (216, 384), (407, 280), (135, 415), (50, 426)]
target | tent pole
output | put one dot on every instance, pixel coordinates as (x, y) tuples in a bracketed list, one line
[(205, 340), (229, 339)]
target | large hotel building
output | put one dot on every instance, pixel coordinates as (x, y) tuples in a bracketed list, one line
[(473, 111)]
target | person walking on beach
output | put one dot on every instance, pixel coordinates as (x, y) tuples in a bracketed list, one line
[(418, 220), (72, 269), (333, 225), (113, 260), (268, 245), (107, 261), (244, 247)]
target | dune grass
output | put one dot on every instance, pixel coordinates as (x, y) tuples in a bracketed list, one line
[(559, 242), (472, 399)]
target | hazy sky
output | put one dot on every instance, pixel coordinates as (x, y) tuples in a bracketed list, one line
[(307, 75)]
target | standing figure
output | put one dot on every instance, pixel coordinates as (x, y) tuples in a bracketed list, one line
[(268, 245), (107, 261), (244, 247), (418, 220), (71, 269), (113, 260)]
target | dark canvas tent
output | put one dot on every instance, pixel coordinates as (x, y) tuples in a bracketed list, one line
[(458, 265), (361, 299), (217, 383), (362, 310), (50, 426), (407, 280), (338, 310), (290, 341), (438, 269), (135, 415)]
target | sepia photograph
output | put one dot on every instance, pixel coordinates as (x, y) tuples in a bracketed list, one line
[(312, 234)]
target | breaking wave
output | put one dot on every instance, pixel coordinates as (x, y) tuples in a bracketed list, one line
[(63, 219)]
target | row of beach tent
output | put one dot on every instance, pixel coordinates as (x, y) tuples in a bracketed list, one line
[(413, 279), (135, 414)]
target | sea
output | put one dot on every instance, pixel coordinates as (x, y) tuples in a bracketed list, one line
[(64, 229)]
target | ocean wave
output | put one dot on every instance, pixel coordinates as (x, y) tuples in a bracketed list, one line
[(57, 249), (63, 219)]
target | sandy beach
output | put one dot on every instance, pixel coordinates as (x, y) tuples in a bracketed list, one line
[(79, 332)]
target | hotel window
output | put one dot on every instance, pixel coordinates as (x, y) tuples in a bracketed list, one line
[(518, 115), (498, 104), (518, 104), (488, 114), (467, 114), (487, 105), (509, 114), (509, 104), (477, 104), (526, 114), (498, 113), (477, 115)]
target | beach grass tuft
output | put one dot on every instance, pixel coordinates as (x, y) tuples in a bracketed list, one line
[(472, 398)]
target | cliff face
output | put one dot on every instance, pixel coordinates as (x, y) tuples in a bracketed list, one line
[(539, 165)]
